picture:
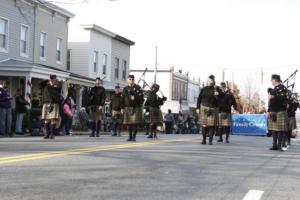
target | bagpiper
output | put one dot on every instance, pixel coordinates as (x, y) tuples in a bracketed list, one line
[(277, 112), (51, 106), (154, 102), (293, 105), (225, 105), (132, 108), (116, 107), (97, 102), (207, 104)]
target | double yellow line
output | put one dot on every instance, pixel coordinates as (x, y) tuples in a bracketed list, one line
[(51, 154)]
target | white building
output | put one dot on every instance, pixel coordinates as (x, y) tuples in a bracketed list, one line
[(193, 93), (97, 52)]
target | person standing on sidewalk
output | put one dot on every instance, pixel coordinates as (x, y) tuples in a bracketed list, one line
[(225, 105), (169, 120), (5, 110), (132, 108), (21, 110), (97, 101), (277, 112), (51, 106), (116, 107), (207, 104)]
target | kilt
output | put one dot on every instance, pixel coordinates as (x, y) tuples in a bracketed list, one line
[(225, 119), (95, 113), (212, 119), (281, 123), (135, 118), (117, 116), (46, 115), (292, 123), (156, 116)]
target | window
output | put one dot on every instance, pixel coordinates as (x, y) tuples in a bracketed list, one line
[(43, 43), (3, 34), (24, 40), (117, 65), (59, 50), (95, 61), (104, 63), (69, 59), (124, 70)]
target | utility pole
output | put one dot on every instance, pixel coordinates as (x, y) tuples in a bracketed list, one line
[(155, 69)]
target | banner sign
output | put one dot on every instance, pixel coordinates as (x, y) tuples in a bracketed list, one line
[(249, 124)]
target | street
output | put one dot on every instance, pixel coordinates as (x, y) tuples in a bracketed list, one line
[(174, 167)]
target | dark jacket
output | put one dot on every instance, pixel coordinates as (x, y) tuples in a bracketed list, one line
[(154, 100), (208, 98), (4, 101), (135, 91), (226, 102), (21, 104), (97, 96), (116, 102), (293, 106), (51, 94), (279, 102)]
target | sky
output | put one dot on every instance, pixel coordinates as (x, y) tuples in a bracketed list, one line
[(204, 37)]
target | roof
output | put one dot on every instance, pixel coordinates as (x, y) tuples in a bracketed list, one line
[(53, 7), (108, 33)]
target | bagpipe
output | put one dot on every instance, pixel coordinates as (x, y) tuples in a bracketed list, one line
[(146, 85)]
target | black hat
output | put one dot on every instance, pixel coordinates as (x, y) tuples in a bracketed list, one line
[(212, 77), (117, 87), (223, 84), (155, 86), (275, 77), (52, 76), (131, 76), (98, 78)]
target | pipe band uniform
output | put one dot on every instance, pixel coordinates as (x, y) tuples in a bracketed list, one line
[(116, 107)]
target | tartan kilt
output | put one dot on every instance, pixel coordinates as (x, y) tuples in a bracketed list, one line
[(46, 115), (117, 116), (225, 119), (281, 123), (95, 113), (211, 120), (156, 116), (292, 123), (135, 118)]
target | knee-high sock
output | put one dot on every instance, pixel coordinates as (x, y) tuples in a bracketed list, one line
[(227, 130), (211, 133), (204, 133)]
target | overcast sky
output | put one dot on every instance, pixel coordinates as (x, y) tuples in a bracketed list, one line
[(203, 36)]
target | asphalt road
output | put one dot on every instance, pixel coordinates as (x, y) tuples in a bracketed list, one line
[(175, 167)]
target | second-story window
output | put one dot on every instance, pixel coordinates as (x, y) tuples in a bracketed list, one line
[(124, 70), (59, 50), (104, 63), (43, 43), (95, 60), (24, 40), (3, 34), (117, 66)]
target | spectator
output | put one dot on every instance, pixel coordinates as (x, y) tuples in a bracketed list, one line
[(21, 109), (5, 110), (169, 119)]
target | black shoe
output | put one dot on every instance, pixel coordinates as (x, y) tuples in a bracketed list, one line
[(129, 140), (51, 137), (273, 148), (227, 141), (203, 142), (46, 137), (150, 136), (92, 135), (219, 140)]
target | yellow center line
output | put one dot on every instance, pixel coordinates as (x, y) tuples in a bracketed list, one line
[(50, 154)]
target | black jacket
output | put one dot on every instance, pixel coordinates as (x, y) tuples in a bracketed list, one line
[(97, 96), (154, 100), (226, 102), (135, 91), (116, 102), (51, 94), (208, 98), (279, 102), (293, 106), (21, 104)]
